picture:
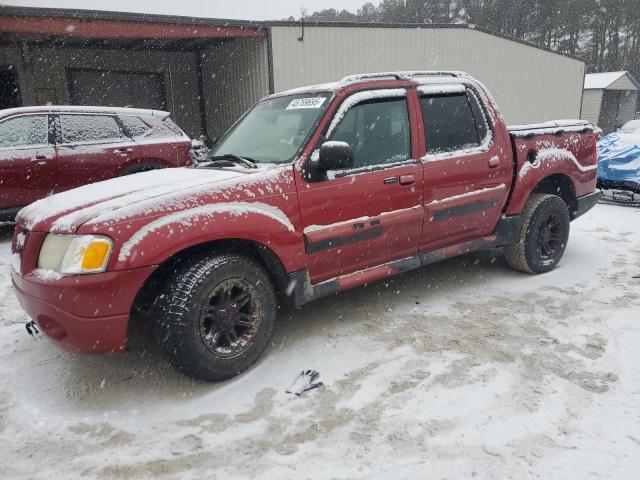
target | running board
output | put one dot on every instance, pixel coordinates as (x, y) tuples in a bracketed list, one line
[(302, 291)]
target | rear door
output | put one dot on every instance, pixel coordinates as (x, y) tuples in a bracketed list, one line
[(27, 160), (90, 148), (370, 214), (467, 172)]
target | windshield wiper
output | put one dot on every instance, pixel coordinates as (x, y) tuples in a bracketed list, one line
[(231, 158)]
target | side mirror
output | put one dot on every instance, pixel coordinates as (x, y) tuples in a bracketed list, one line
[(335, 155)]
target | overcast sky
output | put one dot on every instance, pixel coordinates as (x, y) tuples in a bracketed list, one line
[(236, 9)]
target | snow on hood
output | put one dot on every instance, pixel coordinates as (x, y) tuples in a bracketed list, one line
[(142, 194)]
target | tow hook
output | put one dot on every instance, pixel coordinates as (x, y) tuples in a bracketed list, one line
[(32, 329)]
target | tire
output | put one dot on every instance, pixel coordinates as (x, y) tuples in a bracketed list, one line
[(215, 315), (542, 235), (144, 167)]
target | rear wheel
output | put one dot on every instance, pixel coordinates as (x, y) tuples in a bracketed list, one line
[(542, 235), (216, 315)]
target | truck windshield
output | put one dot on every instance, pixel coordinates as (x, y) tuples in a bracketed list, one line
[(273, 130)]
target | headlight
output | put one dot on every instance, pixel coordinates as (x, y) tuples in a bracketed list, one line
[(75, 254)]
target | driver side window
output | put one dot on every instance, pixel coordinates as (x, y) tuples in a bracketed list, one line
[(377, 131)]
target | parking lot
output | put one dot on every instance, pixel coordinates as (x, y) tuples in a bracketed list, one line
[(462, 369)]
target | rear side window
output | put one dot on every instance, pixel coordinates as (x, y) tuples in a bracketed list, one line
[(89, 128), (449, 123), (170, 123), (134, 125), (160, 128), (24, 131)]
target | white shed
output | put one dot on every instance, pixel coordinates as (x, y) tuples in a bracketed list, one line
[(610, 99)]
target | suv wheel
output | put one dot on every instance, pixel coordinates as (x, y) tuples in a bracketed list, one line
[(216, 315), (542, 236)]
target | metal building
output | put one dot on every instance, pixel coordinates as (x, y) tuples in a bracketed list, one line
[(610, 99), (208, 71)]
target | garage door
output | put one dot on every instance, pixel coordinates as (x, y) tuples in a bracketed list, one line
[(116, 89)]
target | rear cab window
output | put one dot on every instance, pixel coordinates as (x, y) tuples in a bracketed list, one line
[(453, 119)]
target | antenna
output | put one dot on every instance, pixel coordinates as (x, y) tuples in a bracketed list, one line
[(303, 13)]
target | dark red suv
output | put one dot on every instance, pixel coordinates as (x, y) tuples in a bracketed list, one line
[(46, 150)]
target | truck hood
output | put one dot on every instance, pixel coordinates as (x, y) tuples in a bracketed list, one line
[(146, 194)]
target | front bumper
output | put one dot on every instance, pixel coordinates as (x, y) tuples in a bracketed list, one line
[(86, 314), (586, 203)]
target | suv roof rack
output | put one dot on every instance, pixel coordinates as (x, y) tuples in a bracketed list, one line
[(401, 75)]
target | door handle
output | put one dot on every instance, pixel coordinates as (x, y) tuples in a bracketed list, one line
[(407, 179), (494, 161), (390, 180), (39, 158), (123, 150)]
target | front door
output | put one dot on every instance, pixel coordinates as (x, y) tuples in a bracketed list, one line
[(27, 160), (467, 172), (372, 213)]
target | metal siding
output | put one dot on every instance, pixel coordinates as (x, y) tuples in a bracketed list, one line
[(42, 75), (529, 84), (591, 102), (235, 75)]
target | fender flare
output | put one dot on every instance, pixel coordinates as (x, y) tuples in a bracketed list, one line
[(530, 176), (166, 236)]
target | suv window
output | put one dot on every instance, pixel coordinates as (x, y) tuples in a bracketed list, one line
[(89, 128), (134, 125), (24, 131), (378, 132), (449, 123), (160, 128)]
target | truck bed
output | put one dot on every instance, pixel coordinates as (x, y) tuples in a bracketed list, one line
[(564, 146)]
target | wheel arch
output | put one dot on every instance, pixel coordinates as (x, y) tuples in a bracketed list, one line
[(258, 251), (561, 185)]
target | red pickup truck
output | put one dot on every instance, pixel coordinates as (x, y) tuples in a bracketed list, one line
[(311, 192), (46, 150)]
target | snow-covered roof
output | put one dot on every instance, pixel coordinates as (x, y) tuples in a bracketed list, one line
[(421, 77), (604, 80), (83, 109)]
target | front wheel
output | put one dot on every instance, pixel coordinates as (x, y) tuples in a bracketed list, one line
[(216, 315), (542, 235)]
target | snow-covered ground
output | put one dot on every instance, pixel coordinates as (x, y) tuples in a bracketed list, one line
[(462, 369)]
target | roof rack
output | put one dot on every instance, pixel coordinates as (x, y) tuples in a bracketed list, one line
[(402, 75)]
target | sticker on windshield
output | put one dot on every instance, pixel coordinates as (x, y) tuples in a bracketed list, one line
[(312, 102)]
